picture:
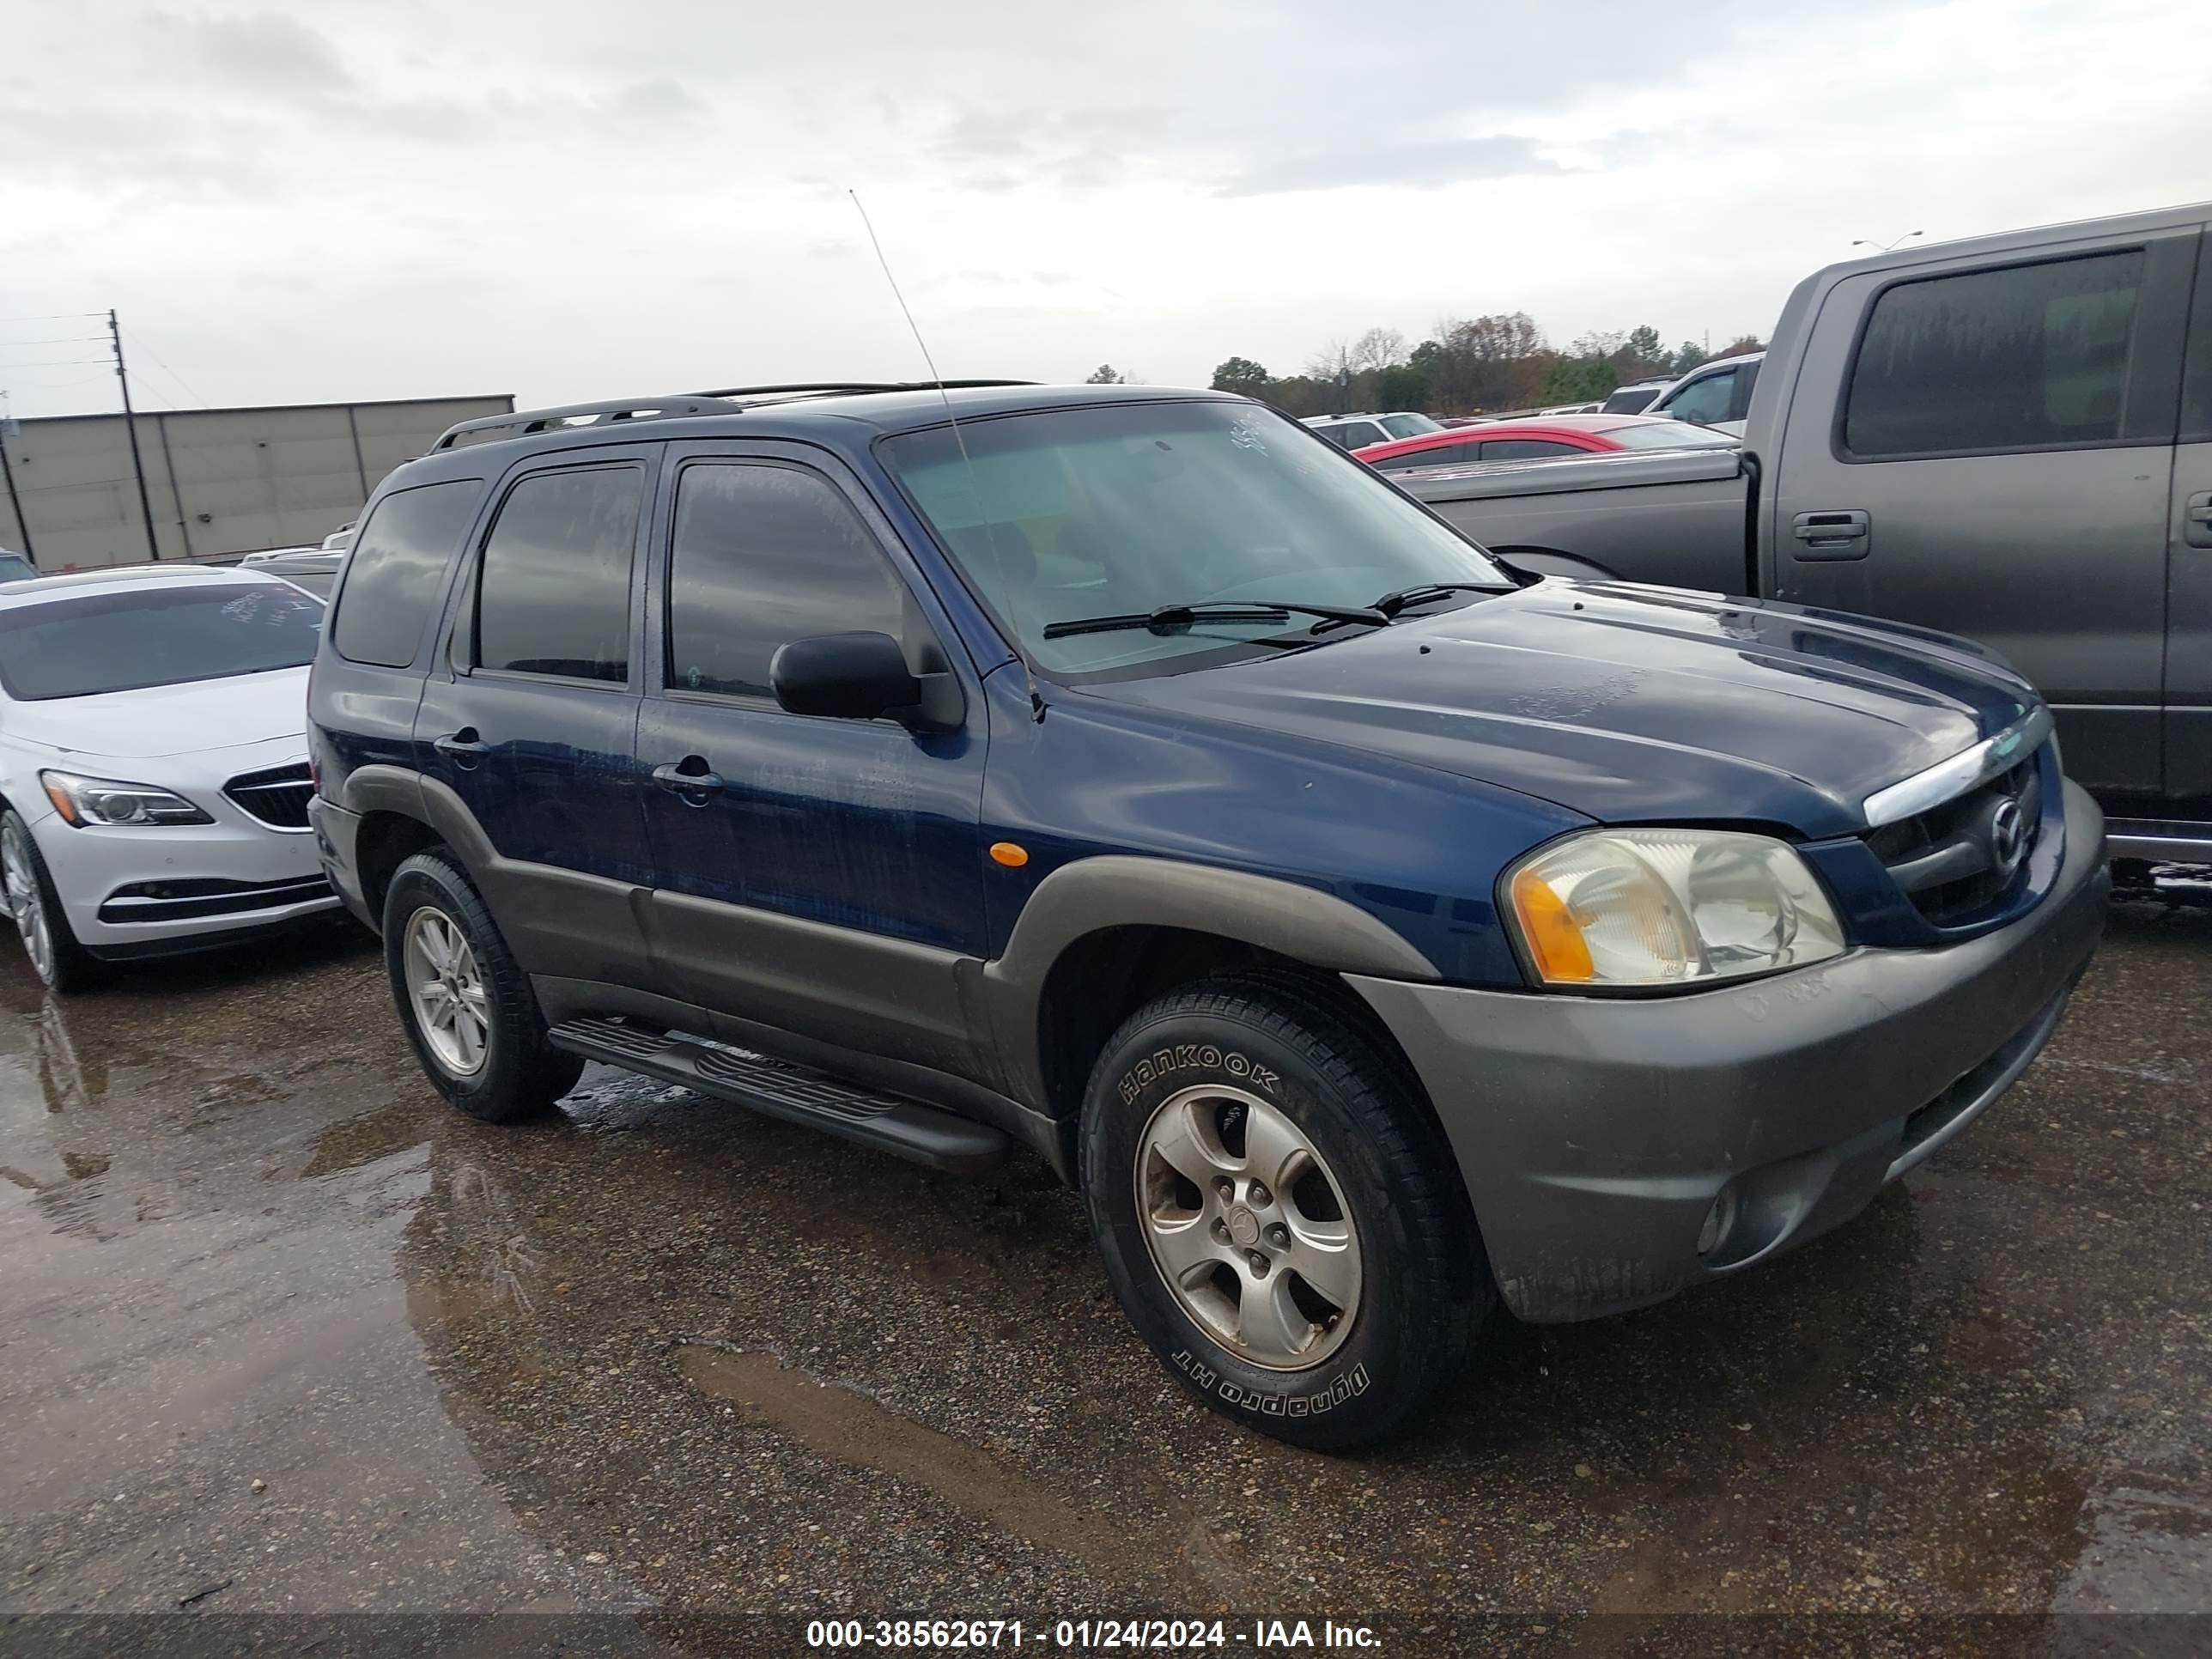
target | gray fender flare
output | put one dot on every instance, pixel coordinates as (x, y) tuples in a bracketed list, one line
[(1094, 894)]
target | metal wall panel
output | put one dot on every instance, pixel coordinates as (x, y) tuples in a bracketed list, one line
[(220, 481)]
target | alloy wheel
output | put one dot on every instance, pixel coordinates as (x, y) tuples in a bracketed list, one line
[(447, 994), (25, 904), (1247, 1226)]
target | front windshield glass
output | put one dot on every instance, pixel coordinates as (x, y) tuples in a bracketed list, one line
[(1409, 425), (1669, 434), (125, 642), (1124, 507)]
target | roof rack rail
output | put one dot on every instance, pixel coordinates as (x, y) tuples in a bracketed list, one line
[(728, 400)]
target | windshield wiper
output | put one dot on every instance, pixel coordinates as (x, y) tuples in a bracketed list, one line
[(1400, 598), (1169, 618)]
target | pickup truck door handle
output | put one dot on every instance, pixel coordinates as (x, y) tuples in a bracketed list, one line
[(463, 748), (1842, 534), (2198, 517), (689, 776)]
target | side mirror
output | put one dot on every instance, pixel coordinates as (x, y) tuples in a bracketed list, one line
[(851, 677)]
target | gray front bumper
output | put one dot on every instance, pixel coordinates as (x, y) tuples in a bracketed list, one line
[(1595, 1134)]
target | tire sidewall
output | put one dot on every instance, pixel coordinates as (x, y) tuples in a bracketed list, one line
[(74, 967), (432, 884), (1148, 1061)]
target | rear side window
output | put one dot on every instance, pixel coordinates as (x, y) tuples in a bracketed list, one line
[(1358, 435), (1435, 455), (763, 555), (397, 569), (2030, 357), (554, 595)]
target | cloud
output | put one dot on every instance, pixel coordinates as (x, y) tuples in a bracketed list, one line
[(268, 53), (1416, 166)]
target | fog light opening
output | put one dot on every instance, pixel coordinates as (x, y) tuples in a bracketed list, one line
[(1720, 1221)]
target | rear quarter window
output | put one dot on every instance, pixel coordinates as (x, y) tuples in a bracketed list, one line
[(396, 571)]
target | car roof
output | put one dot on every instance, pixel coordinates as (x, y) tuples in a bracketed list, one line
[(119, 579)]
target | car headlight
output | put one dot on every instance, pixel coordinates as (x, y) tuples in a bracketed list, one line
[(81, 800), (1634, 908)]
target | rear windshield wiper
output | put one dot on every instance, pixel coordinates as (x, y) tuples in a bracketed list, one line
[(1420, 593), (1170, 618)]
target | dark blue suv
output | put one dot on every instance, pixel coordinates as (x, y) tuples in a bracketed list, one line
[(1373, 932)]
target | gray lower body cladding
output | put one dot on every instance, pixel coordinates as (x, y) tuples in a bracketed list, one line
[(1596, 1137)]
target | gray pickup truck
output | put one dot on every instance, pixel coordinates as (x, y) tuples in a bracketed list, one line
[(2008, 437)]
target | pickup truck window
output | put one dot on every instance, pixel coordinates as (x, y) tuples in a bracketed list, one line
[(764, 555), (1124, 507), (2031, 356), (553, 598)]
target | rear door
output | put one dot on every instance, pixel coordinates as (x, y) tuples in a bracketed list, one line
[(1996, 463), (2188, 582), (530, 715), (817, 875)]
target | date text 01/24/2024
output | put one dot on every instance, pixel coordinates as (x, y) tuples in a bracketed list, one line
[(1089, 1634)]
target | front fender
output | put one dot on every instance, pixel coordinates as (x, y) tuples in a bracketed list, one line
[(1111, 891)]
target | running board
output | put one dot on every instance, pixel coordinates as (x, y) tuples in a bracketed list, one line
[(889, 1123), (2161, 840)]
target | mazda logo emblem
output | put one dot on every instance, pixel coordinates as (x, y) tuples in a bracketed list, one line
[(2007, 837)]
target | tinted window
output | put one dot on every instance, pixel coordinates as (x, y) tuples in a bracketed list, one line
[(1358, 435), (399, 571), (1630, 400), (1435, 455), (763, 555), (126, 641), (1704, 401), (2197, 382), (2023, 358), (553, 598), (1525, 449)]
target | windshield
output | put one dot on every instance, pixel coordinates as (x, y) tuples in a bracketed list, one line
[(316, 579), (1409, 426), (1122, 508), (1669, 434), (126, 641)]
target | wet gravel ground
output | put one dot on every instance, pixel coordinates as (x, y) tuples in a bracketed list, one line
[(282, 1334)]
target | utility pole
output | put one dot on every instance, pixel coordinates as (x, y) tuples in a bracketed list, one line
[(131, 426), (8, 472)]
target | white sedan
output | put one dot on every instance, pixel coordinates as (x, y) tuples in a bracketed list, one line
[(153, 763)]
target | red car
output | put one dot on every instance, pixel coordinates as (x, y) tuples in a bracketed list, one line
[(1549, 437)]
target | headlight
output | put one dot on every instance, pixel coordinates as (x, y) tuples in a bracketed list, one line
[(101, 800), (1668, 907)]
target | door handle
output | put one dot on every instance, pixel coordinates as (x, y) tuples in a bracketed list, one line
[(678, 781), (463, 747), (1838, 535), (2198, 514)]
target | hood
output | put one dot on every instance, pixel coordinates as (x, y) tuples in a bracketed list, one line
[(1630, 703), (169, 720)]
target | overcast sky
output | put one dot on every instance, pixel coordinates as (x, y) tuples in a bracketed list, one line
[(562, 200)]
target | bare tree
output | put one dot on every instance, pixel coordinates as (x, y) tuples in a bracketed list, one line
[(1378, 349)]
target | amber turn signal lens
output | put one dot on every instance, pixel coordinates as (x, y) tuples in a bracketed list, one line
[(1007, 853), (1551, 932)]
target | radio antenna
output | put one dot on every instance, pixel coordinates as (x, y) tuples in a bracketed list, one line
[(975, 481)]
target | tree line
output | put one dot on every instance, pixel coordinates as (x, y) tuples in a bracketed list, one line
[(1468, 366)]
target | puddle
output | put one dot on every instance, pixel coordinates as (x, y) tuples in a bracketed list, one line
[(850, 1428)]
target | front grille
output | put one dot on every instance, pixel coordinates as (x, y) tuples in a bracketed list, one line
[(1941, 859), (277, 797)]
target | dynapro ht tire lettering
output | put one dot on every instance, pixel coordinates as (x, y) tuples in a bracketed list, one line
[(1277, 1213)]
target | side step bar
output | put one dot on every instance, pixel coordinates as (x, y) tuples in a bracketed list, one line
[(889, 1123), (2162, 840)]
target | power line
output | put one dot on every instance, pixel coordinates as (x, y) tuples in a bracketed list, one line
[(53, 317), (165, 368)]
